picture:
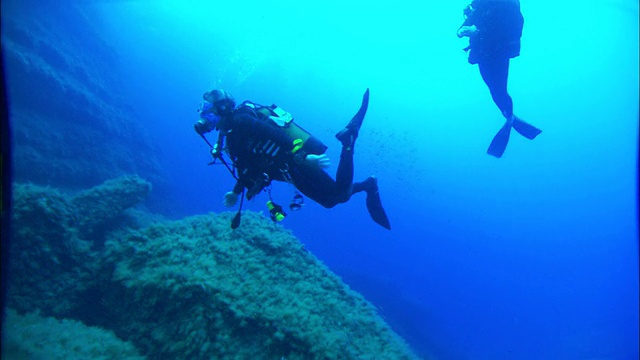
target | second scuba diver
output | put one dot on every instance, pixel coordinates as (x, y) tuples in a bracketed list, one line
[(494, 28)]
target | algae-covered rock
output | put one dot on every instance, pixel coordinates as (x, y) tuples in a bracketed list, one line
[(102, 204), (186, 289), (56, 239), (50, 264), (32, 336), (197, 289)]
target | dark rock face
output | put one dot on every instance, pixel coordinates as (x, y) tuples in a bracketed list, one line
[(72, 128)]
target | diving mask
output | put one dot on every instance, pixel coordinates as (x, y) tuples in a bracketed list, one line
[(207, 113)]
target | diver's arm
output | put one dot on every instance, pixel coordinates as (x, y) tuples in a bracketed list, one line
[(467, 31), (468, 26), (239, 186), (231, 197)]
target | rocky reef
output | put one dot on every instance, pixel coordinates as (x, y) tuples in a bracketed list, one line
[(186, 289), (53, 261), (72, 127), (32, 336)]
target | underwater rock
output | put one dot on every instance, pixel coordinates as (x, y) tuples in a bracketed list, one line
[(50, 266), (100, 205), (196, 289), (72, 128), (186, 289), (56, 240), (32, 336)]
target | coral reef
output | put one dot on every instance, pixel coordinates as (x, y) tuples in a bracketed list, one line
[(187, 289)]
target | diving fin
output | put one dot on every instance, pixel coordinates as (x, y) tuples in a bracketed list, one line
[(527, 130), (376, 211), (349, 134), (499, 143), (374, 204)]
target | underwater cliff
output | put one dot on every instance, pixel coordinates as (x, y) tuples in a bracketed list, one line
[(72, 128), (90, 266)]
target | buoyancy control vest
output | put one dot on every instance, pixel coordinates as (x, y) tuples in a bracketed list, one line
[(302, 141), (268, 154)]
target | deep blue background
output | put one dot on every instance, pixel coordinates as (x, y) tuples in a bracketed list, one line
[(532, 256)]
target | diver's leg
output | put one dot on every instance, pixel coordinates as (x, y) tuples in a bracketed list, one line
[(505, 103), (369, 184), (495, 74), (319, 186), (316, 184), (344, 175), (347, 136)]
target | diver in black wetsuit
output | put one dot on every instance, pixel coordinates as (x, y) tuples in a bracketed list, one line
[(494, 28), (265, 144)]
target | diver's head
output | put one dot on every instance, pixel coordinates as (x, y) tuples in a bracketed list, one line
[(222, 102), (207, 112)]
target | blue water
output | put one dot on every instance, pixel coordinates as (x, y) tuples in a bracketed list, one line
[(531, 256)]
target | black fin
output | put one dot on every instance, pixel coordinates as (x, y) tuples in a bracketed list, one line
[(349, 134), (374, 204), (527, 130), (358, 118), (499, 143), (376, 211)]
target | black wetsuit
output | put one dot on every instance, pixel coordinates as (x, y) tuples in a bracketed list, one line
[(499, 29), (259, 146)]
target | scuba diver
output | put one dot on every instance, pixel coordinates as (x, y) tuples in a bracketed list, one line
[(494, 29), (264, 144)]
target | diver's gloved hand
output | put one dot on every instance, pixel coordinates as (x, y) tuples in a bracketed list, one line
[(318, 161), (230, 199), (467, 31)]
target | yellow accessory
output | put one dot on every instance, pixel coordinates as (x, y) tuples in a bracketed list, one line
[(275, 211), (297, 145)]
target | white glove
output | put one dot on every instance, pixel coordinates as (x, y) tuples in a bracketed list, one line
[(318, 161), (467, 31), (230, 199)]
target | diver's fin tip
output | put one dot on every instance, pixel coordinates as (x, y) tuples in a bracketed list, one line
[(350, 132), (374, 205), (525, 129), (382, 221), (500, 141)]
